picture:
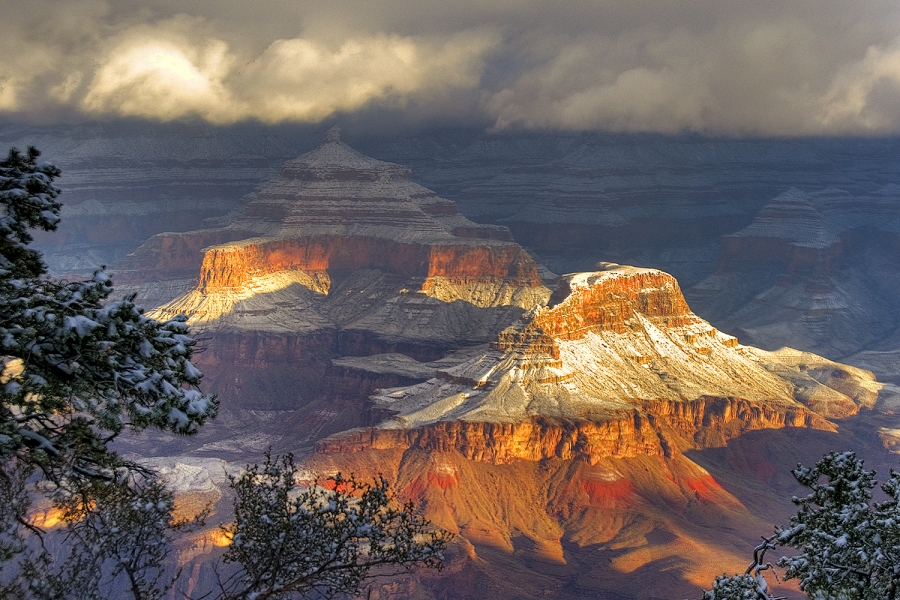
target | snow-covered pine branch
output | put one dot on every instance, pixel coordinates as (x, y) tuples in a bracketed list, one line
[(78, 368), (848, 546)]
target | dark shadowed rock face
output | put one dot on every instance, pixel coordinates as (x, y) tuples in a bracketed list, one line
[(817, 271)]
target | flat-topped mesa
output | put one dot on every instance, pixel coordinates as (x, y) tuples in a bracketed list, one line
[(618, 346)]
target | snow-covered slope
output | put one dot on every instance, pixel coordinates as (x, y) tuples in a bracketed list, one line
[(621, 338), (617, 359)]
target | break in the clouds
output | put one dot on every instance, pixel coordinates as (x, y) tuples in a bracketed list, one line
[(771, 68)]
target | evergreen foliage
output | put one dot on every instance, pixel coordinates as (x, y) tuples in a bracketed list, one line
[(78, 368), (292, 541), (848, 545)]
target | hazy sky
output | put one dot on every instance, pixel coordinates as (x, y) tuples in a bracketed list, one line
[(716, 66)]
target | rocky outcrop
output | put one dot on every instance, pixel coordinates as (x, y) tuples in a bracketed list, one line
[(603, 301), (578, 429), (617, 366)]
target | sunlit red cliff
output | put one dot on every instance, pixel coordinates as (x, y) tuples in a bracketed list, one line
[(618, 366), (575, 435)]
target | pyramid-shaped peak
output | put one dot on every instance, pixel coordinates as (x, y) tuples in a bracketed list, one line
[(335, 160), (794, 216), (333, 135)]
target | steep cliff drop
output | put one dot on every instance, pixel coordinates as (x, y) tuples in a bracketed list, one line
[(567, 440), (341, 255)]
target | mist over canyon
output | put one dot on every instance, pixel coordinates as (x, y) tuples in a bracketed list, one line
[(594, 357)]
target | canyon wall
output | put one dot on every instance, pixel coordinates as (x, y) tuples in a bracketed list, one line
[(658, 428)]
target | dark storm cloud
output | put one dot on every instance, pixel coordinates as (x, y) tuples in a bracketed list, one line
[(782, 68)]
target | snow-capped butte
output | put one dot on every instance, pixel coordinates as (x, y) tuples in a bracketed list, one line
[(619, 337), (621, 344)]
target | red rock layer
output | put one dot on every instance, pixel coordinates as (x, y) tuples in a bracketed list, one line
[(234, 265), (659, 428), (610, 302), (605, 306)]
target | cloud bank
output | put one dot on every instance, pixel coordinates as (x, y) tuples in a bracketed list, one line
[(808, 67)]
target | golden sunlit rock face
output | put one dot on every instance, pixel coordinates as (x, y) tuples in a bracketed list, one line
[(655, 429), (617, 367), (236, 265), (334, 212)]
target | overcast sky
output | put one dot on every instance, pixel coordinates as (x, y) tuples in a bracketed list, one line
[(792, 67)]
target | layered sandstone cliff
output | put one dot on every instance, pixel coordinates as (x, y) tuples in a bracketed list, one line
[(331, 214), (617, 366)]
